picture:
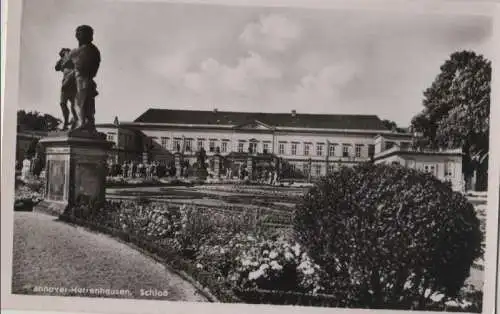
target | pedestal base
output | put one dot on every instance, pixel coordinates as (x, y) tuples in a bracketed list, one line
[(75, 170)]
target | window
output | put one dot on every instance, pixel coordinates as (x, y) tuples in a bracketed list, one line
[(318, 170), (224, 147), (319, 149), (212, 145), (164, 142), (430, 169), (405, 145), (306, 168), (345, 150), (389, 145), (265, 148), (240, 147), (449, 169), (331, 168), (331, 150), (176, 144), (306, 149), (252, 147), (189, 144), (358, 150), (201, 144), (281, 148), (371, 150), (111, 136), (411, 163), (294, 148)]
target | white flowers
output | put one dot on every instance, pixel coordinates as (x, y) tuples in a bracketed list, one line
[(275, 265), (306, 267), (254, 275), (263, 263), (288, 256)]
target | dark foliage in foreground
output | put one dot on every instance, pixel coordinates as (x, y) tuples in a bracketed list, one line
[(389, 237)]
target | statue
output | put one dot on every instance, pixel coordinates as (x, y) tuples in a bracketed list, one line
[(86, 60), (68, 85), (201, 161)]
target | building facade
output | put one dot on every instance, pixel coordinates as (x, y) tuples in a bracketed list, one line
[(313, 144), (300, 139), (446, 165)]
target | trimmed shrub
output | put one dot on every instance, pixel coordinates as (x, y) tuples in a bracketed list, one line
[(388, 236)]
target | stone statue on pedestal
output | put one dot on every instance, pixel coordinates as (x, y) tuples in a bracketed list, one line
[(76, 161)]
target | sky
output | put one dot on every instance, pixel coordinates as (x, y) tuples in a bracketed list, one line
[(257, 59)]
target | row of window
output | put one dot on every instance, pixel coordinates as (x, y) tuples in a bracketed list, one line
[(316, 168), (320, 149), (449, 168), (253, 147)]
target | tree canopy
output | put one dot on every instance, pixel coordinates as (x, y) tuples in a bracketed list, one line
[(391, 125), (36, 121), (457, 106)]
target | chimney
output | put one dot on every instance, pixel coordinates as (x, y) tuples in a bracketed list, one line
[(294, 113), (116, 122)]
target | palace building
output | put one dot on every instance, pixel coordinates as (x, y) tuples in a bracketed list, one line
[(313, 144)]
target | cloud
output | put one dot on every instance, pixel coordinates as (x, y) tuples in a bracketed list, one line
[(323, 87), (245, 78), (272, 32), (171, 66)]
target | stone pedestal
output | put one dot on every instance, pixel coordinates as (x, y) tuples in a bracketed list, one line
[(178, 164), (145, 157), (217, 165), (27, 170), (75, 168), (250, 168)]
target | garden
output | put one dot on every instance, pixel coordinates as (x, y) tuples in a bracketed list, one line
[(372, 236)]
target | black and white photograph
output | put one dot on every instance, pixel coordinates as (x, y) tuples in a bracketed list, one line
[(276, 155)]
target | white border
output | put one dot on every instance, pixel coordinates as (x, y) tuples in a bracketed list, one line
[(10, 82)]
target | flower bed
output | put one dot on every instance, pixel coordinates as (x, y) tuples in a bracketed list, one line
[(27, 194), (144, 182), (223, 251)]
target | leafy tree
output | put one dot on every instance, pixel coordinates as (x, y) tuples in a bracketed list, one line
[(32, 148), (456, 108), (35, 121), (391, 125), (389, 236)]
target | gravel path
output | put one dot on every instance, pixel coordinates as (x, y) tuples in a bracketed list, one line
[(52, 254)]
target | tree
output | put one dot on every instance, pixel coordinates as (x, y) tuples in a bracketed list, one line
[(32, 148), (456, 108), (389, 236), (391, 125), (35, 121)]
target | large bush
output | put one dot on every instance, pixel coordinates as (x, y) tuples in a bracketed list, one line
[(389, 236)]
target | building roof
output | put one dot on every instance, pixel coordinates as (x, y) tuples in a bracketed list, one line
[(314, 121)]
